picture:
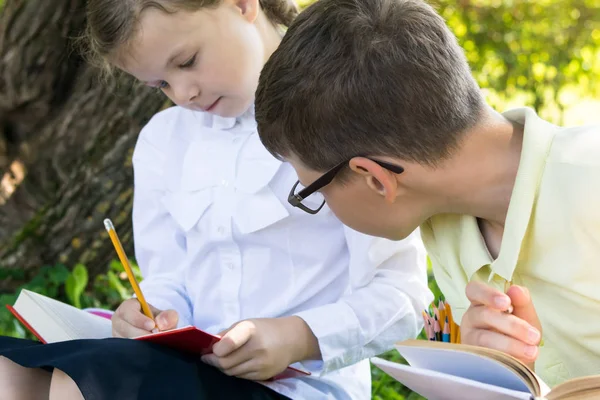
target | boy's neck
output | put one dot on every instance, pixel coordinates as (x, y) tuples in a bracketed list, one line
[(480, 177)]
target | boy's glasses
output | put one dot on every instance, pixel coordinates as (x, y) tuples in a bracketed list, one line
[(310, 200)]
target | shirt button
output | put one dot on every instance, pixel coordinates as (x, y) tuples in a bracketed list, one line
[(236, 140), (225, 183), (221, 230), (230, 266)]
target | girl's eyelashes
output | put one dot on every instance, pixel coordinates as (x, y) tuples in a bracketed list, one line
[(164, 84), (189, 63), (158, 84)]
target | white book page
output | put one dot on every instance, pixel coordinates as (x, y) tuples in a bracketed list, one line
[(46, 326), (463, 364), (439, 386), (75, 323)]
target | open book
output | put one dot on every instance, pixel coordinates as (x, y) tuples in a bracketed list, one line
[(52, 321), (455, 371)]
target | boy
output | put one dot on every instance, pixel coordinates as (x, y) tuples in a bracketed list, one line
[(374, 104)]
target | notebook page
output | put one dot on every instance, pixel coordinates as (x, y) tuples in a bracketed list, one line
[(438, 386), (577, 388), (463, 364), (39, 319), (77, 323)]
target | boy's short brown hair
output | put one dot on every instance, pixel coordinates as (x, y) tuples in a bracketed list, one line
[(366, 77)]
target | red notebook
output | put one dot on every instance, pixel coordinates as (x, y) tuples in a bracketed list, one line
[(52, 321)]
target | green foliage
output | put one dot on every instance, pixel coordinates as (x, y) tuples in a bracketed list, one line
[(48, 282), (544, 54), (75, 284), (113, 288), (72, 287)]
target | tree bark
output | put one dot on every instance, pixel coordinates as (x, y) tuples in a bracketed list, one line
[(73, 135)]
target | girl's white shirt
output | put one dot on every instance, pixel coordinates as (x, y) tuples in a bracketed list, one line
[(217, 241)]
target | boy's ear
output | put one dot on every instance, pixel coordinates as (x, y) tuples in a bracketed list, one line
[(249, 9), (379, 179)]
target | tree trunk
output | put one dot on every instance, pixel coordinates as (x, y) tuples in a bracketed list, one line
[(71, 135)]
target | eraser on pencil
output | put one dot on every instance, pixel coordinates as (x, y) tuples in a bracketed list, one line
[(108, 225)]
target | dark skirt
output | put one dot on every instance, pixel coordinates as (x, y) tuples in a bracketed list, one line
[(130, 369)]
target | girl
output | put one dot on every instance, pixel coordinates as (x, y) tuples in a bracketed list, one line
[(216, 239)]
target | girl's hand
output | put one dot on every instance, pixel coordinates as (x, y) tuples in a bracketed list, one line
[(261, 348), (129, 321)]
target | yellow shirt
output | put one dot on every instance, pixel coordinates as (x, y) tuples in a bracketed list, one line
[(551, 244)]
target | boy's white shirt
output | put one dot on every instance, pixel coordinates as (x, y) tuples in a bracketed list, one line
[(217, 241)]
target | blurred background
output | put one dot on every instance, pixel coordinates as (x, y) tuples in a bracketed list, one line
[(66, 137)]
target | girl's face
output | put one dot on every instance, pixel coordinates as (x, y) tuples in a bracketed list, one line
[(208, 60)]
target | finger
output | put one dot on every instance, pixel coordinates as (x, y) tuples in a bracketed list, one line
[(248, 368), (479, 293), (115, 332), (234, 338), (127, 305), (211, 360), (237, 357), (223, 333), (131, 312), (255, 376), (523, 305), (166, 320), (251, 370), (498, 341), (508, 324), (123, 329), (155, 311)]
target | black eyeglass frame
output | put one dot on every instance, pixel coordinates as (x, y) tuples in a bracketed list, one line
[(295, 199)]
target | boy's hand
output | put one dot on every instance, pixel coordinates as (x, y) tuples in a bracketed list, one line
[(259, 349), (129, 321), (487, 324)]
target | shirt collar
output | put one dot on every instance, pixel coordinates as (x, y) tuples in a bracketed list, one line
[(225, 123), (537, 140), (473, 251)]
